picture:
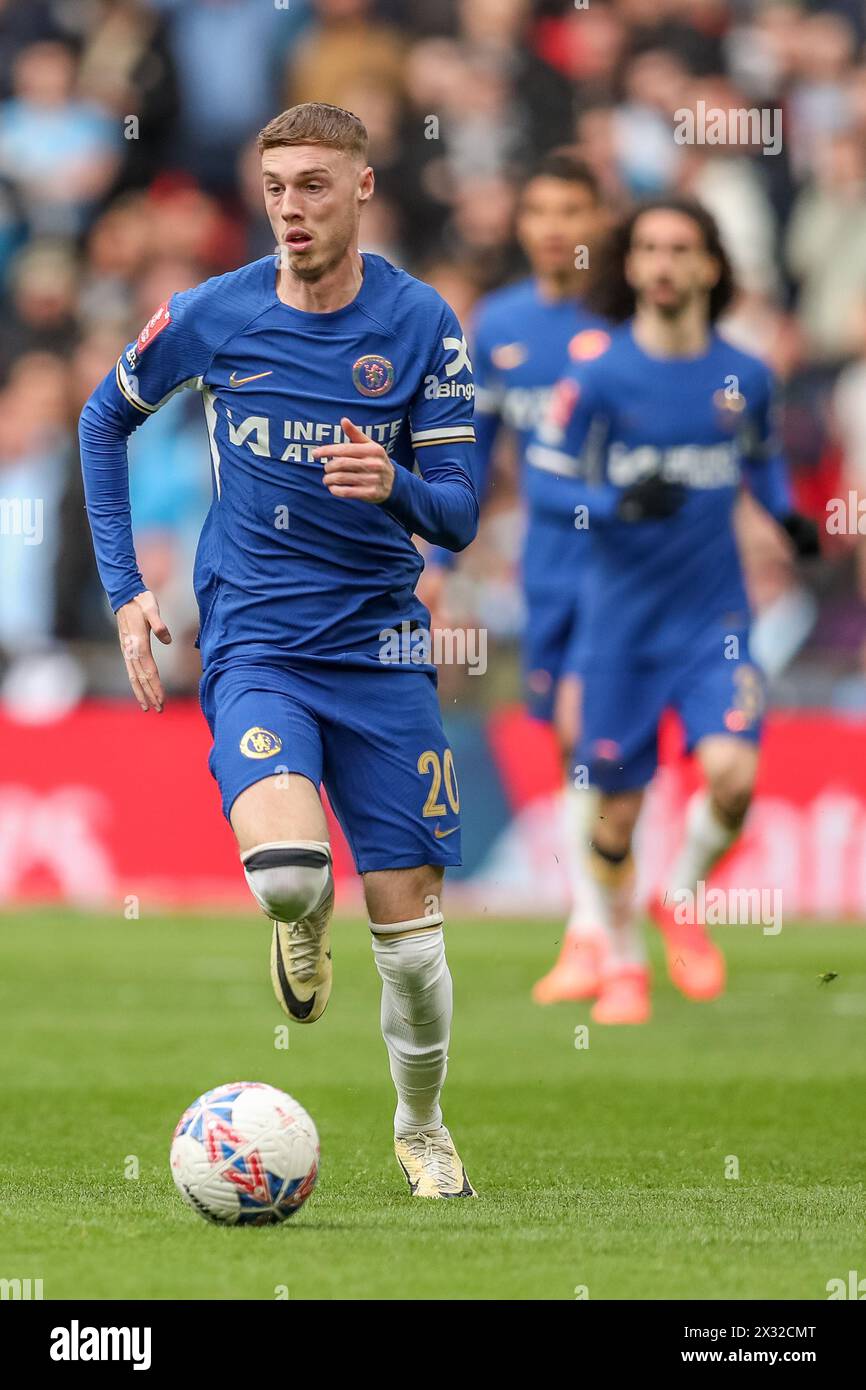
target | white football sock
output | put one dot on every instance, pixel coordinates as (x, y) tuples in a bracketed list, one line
[(579, 810), (610, 890), (705, 840), (416, 1016)]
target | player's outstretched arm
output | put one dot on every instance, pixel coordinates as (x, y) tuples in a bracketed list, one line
[(440, 505), (167, 355), (136, 620), (768, 476), (558, 479), (103, 435), (487, 429)]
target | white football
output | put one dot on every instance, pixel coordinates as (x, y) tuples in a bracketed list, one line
[(245, 1154)]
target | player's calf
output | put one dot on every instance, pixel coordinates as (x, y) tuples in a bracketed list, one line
[(730, 766), (714, 819), (416, 1016)]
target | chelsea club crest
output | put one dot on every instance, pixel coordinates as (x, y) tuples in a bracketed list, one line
[(260, 743), (373, 375)]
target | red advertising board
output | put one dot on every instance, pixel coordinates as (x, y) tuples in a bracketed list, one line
[(106, 803)]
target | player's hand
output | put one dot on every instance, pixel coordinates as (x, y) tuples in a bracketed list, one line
[(357, 467), (803, 532), (653, 499), (136, 620)]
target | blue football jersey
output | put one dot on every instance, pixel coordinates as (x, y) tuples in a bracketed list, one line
[(704, 423), (520, 343), (283, 568)]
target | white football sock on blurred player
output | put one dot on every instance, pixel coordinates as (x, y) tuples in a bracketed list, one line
[(610, 891), (705, 840), (579, 809)]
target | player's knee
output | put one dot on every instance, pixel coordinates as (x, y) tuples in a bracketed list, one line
[(395, 895), (731, 785), (289, 879)]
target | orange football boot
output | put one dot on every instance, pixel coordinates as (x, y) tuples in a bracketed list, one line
[(575, 975), (624, 996), (695, 964)]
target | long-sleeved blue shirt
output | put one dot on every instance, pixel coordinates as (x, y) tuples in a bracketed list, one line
[(704, 423), (283, 568)]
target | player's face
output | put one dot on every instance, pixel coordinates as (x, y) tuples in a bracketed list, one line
[(668, 266), (554, 219), (313, 197)]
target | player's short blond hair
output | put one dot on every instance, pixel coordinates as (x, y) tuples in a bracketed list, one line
[(316, 123)]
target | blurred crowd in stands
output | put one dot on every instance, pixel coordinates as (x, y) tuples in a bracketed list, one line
[(128, 171)]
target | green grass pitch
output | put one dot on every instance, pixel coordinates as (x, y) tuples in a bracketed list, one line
[(602, 1167)]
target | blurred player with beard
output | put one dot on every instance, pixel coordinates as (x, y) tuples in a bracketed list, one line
[(650, 443), (522, 336), (313, 368)]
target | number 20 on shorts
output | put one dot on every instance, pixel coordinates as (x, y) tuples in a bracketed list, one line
[(440, 772)]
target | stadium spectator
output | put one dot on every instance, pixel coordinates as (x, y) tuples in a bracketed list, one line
[(62, 152), (230, 95), (728, 179), (344, 40), (32, 444), (826, 247), (20, 26), (648, 157), (542, 101), (126, 67), (42, 302)]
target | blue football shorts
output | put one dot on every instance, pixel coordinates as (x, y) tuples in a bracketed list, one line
[(714, 688), (550, 647), (373, 738)]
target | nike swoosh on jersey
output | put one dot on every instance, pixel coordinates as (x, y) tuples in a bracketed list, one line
[(442, 834), (235, 380)]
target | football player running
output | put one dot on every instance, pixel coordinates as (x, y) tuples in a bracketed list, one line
[(649, 444), (521, 337), (314, 369)]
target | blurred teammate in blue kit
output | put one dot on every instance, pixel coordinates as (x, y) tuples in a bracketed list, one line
[(521, 337), (315, 371), (647, 446)]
